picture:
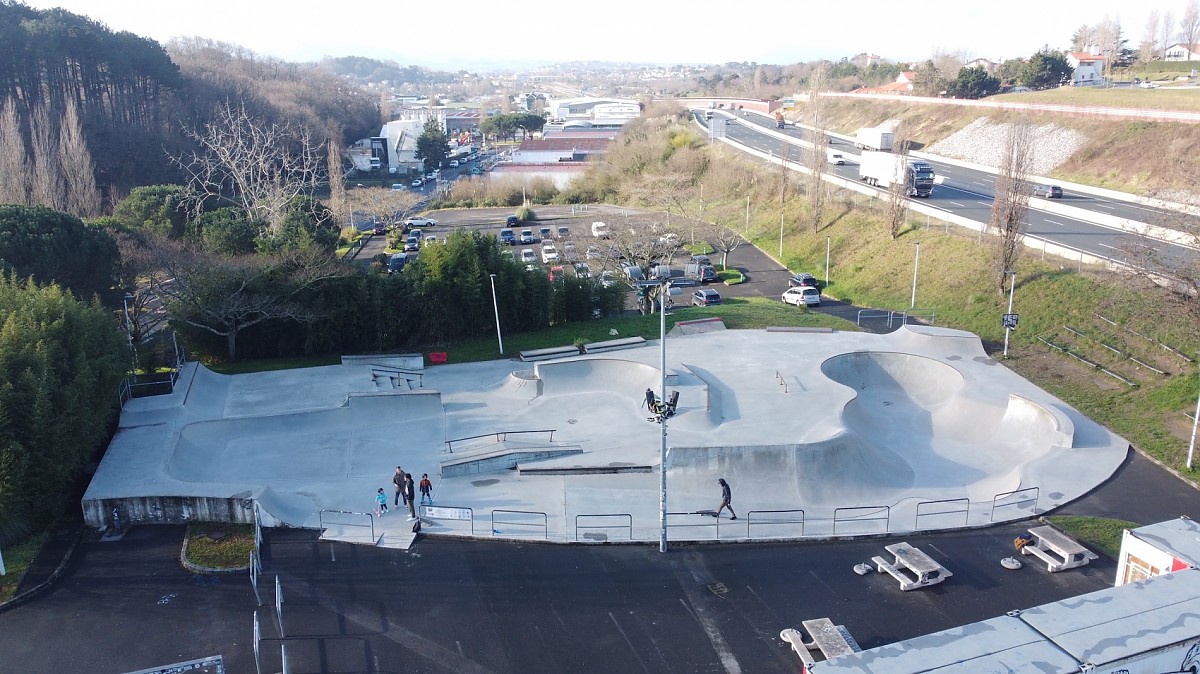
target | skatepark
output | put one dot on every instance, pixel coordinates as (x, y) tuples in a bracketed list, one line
[(820, 434)]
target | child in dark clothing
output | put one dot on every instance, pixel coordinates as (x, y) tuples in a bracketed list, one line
[(426, 488)]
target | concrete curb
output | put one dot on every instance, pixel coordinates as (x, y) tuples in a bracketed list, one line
[(53, 578)]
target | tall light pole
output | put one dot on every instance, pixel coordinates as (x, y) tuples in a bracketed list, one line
[(1192, 444), (1007, 327), (496, 309), (781, 237), (662, 395), (916, 266), (827, 262)]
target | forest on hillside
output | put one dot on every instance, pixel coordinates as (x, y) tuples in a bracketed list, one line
[(87, 114)]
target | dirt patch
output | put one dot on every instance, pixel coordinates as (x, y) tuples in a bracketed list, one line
[(1056, 370), (1178, 425)]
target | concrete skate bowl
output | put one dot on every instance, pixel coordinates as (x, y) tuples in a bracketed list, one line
[(591, 375), (355, 439), (918, 410)]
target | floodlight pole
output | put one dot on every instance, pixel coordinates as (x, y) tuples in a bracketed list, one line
[(665, 289), (916, 266), (1007, 330), (496, 309), (1192, 444), (827, 262)]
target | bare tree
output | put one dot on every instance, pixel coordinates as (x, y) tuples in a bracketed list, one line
[(1149, 47), (337, 171), (225, 295), (74, 162), (1168, 30), (14, 160), (816, 116), (45, 180), (1189, 25), (897, 193), (390, 207), (1012, 199), (259, 167)]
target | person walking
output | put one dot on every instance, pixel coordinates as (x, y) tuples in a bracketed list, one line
[(726, 500), (410, 497), (398, 480), (381, 500), (426, 488)]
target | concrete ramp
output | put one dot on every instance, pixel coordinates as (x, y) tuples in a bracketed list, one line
[(698, 326), (947, 342), (284, 508), (582, 375)]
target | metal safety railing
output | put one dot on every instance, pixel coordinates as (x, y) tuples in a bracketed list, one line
[(370, 519), (523, 520), (499, 435), (605, 522)]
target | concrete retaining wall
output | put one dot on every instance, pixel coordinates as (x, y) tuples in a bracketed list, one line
[(168, 510)]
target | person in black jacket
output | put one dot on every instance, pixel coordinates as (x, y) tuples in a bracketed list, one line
[(726, 500), (410, 496)]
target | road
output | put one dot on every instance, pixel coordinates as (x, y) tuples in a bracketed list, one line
[(969, 193)]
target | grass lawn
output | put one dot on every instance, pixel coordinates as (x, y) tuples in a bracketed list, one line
[(1165, 97), (16, 560), (1100, 534), (217, 545)]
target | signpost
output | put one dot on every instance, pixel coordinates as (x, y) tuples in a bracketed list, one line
[(1010, 321)]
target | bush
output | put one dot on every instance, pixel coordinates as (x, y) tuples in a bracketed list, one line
[(526, 214)]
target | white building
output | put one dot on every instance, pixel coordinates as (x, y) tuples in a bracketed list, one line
[(596, 111), (1089, 68), (1182, 52)]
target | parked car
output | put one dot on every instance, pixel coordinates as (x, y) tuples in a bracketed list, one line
[(705, 297), (507, 237), (593, 253), (527, 237), (1148, 85), (633, 272), (396, 262), (564, 232), (528, 256), (420, 222), (1047, 191), (803, 279), (582, 270), (430, 238), (418, 182), (569, 252), (512, 221), (453, 163), (608, 278), (544, 233), (412, 244), (802, 295), (397, 187), (379, 228), (549, 253)]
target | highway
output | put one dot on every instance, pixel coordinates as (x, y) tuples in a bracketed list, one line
[(969, 193)]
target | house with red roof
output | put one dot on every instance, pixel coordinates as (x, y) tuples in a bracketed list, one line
[(1088, 68)]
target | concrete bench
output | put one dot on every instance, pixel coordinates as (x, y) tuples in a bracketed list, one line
[(547, 354), (912, 567), (832, 640), (1057, 550), (614, 344)]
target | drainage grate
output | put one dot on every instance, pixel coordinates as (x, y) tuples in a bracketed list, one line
[(718, 589)]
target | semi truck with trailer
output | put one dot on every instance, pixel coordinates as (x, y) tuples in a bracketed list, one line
[(874, 138), (883, 169)]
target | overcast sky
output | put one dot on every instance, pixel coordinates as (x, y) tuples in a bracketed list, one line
[(474, 34)]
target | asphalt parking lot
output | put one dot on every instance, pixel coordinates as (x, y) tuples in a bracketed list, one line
[(487, 606)]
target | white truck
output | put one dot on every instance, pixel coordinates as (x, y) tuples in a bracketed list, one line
[(600, 230), (833, 156), (883, 169), (874, 138)]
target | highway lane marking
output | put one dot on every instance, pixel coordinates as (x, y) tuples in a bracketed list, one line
[(984, 203), (1107, 246), (1055, 222), (1105, 206), (958, 204), (979, 182)]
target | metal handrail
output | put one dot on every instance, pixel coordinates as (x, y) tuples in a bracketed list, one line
[(628, 525), (769, 522), (965, 511), (500, 435), (873, 313), (544, 525), (371, 516), (1002, 495), (887, 515)]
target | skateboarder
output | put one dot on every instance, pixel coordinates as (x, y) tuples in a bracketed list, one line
[(726, 500), (426, 489), (651, 401)]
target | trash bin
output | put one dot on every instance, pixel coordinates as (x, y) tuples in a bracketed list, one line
[(437, 358)]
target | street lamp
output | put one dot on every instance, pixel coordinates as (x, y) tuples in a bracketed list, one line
[(662, 395), (496, 309), (1008, 326), (916, 266), (1192, 444), (827, 262)]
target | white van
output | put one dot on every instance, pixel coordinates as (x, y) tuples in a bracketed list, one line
[(599, 230), (834, 156)]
